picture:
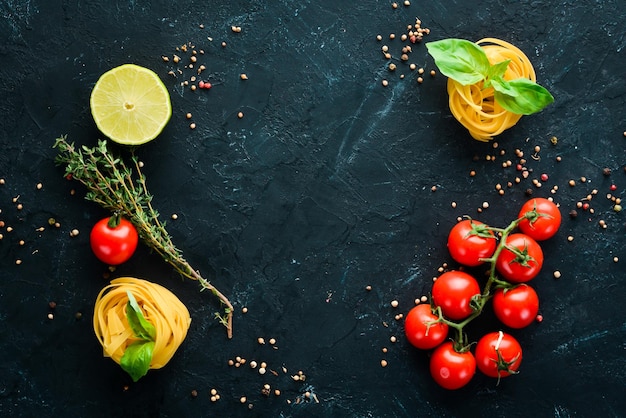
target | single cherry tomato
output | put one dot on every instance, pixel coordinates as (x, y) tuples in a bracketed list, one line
[(544, 220), (418, 331), (516, 307), (112, 241), (498, 354), (453, 291), (470, 242), (452, 369), (521, 259)]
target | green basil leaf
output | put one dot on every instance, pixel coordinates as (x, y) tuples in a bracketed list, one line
[(501, 85), (460, 60), (140, 326), (136, 359), (496, 71), (530, 97)]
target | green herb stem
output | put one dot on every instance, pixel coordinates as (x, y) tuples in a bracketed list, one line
[(122, 190)]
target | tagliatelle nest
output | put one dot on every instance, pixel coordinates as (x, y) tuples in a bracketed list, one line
[(475, 108), (159, 306)]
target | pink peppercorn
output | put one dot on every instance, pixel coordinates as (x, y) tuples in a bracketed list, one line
[(201, 84), (613, 187), (544, 177)]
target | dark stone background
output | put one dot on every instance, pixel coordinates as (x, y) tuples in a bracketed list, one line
[(322, 188)]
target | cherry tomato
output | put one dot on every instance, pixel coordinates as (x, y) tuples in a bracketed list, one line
[(450, 368), (470, 241), (521, 259), (516, 307), (453, 291), (113, 245), (545, 219), (419, 333), (498, 354)]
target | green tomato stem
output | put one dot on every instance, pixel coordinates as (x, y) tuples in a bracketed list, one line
[(481, 300)]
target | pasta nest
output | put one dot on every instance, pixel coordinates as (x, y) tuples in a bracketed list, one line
[(474, 107), (159, 306)]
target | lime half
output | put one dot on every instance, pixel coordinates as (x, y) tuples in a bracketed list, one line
[(130, 104)]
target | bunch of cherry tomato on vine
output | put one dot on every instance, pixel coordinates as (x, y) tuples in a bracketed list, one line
[(514, 257)]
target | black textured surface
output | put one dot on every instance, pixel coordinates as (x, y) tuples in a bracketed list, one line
[(322, 188)]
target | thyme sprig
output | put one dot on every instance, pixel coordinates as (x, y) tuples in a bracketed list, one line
[(121, 189)]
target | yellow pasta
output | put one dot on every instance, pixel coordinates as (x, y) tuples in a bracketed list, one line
[(475, 108), (159, 306)]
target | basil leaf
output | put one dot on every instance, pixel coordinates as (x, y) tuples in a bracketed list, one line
[(530, 97), (140, 326), (501, 85), (496, 71), (136, 359), (460, 60)]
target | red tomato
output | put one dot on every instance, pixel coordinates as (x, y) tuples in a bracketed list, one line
[(113, 245), (516, 307), (498, 354), (521, 259), (470, 241), (419, 333), (451, 369), (453, 291), (544, 221)]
